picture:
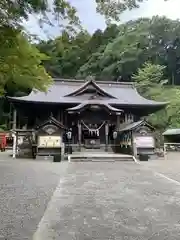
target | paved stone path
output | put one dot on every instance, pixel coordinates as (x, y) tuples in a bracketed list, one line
[(112, 201), (26, 188), (88, 201)]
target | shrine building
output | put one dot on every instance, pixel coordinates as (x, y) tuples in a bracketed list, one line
[(91, 110)]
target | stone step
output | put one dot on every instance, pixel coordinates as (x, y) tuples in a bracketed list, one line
[(100, 157)]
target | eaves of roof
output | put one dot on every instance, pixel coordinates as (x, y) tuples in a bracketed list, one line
[(123, 94)]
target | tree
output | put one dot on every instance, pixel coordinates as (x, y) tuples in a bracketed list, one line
[(151, 84), (13, 12), (20, 64), (168, 117), (66, 53), (112, 9), (135, 43), (149, 76)]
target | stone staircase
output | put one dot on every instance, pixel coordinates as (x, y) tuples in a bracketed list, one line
[(97, 156)]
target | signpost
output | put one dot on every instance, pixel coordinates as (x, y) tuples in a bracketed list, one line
[(143, 146)]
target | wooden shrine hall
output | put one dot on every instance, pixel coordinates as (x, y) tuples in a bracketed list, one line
[(94, 111)]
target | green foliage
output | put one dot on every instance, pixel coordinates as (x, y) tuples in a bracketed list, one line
[(3, 128), (146, 51), (150, 83), (168, 117), (134, 43), (66, 54), (112, 9), (20, 63), (149, 76), (13, 12)]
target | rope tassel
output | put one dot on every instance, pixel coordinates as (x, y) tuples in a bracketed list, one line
[(93, 130)]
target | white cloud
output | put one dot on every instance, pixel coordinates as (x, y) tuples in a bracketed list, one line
[(91, 20)]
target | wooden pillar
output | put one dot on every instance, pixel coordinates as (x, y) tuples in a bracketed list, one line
[(15, 135), (14, 119), (118, 123), (59, 115), (65, 119), (79, 134), (62, 117), (134, 148), (106, 135), (126, 118)]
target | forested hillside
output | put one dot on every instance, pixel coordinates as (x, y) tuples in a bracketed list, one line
[(118, 52), (146, 51)]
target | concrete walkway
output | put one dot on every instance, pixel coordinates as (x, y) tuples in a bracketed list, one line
[(112, 201)]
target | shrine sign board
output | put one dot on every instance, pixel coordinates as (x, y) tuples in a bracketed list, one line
[(49, 137), (50, 141), (144, 141)]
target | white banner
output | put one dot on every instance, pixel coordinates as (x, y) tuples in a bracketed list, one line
[(144, 142)]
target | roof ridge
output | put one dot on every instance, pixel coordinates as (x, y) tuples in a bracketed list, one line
[(84, 86), (96, 81)]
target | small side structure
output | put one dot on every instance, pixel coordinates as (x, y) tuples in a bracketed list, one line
[(171, 140), (46, 139), (22, 142), (136, 138), (49, 138)]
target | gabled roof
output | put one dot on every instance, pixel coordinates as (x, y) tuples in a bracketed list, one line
[(84, 105), (51, 120), (91, 83), (64, 91), (135, 125)]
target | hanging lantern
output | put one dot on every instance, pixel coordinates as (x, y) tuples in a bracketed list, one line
[(114, 135), (69, 135)]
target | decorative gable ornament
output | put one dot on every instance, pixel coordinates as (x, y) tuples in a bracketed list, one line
[(50, 129), (90, 78), (90, 87)]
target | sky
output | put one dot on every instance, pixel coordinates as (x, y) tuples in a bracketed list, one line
[(92, 21)]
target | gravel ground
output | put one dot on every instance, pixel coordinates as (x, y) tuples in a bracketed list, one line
[(170, 168), (91, 201), (112, 201), (25, 189)]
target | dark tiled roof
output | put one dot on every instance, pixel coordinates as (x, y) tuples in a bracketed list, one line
[(94, 85), (134, 125), (51, 120), (92, 102), (60, 92)]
